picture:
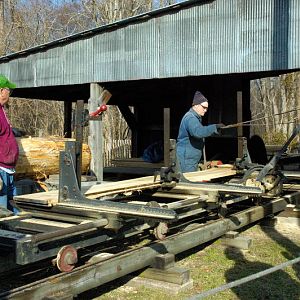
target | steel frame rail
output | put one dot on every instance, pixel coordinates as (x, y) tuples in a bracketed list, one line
[(90, 276)]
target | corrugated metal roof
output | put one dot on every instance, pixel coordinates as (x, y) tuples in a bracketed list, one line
[(191, 38)]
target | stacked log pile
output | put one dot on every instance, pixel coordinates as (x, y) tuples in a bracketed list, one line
[(39, 157)]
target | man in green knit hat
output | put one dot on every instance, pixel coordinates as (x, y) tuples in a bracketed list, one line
[(9, 151)]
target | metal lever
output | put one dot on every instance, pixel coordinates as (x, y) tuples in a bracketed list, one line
[(275, 159)]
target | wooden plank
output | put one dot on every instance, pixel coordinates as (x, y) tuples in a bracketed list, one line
[(44, 198), (40, 225), (133, 161), (147, 182), (124, 186), (137, 164), (210, 174)]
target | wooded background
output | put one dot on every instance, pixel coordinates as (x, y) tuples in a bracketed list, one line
[(275, 107), (25, 24)]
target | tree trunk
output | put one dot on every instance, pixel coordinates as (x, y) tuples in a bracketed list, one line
[(39, 157)]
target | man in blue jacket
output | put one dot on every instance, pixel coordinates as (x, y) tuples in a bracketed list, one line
[(190, 141)]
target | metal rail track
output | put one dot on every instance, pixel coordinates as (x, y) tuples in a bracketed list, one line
[(89, 276)]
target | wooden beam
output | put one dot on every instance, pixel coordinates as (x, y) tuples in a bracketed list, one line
[(96, 133), (130, 118), (167, 137), (67, 119), (239, 120)]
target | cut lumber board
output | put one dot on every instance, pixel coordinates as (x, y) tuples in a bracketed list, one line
[(46, 223), (213, 173), (147, 182), (123, 186), (136, 163), (44, 198)]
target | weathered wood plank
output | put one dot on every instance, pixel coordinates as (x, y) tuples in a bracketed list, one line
[(45, 198), (147, 182), (95, 139), (135, 163)]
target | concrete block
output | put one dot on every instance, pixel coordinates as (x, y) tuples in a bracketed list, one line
[(239, 242), (231, 234), (167, 287), (172, 275)]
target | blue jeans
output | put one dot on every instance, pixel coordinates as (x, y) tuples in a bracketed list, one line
[(8, 191)]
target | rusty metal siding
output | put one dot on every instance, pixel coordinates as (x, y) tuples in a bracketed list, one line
[(218, 37)]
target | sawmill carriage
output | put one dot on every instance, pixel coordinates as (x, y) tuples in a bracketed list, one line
[(63, 226)]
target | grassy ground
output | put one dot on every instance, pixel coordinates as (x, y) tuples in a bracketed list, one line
[(215, 265)]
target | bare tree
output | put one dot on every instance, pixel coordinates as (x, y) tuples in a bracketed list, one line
[(275, 105), (37, 117)]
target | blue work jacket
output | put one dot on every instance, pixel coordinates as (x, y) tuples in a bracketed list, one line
[(190, 141)]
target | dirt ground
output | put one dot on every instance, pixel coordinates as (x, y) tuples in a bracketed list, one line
[(214, 264)]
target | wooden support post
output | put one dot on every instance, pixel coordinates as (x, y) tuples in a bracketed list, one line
[(172, 280), (131, 121), (164, 261), (231, 234), (67, 119), (240, 119), (79, 139), (96, 134), (166, 137), (164, 275)]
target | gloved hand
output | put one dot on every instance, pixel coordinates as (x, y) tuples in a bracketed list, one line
[(18, 133), (219, 126)]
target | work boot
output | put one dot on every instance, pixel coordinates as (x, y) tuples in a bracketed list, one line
[(4, 212)]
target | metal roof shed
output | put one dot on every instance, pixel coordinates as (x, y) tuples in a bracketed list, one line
[(160, 58)]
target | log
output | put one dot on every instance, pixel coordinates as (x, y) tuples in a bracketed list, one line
[(39, 157)]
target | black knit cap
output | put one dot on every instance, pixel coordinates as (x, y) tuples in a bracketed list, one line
[(199, 98)]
